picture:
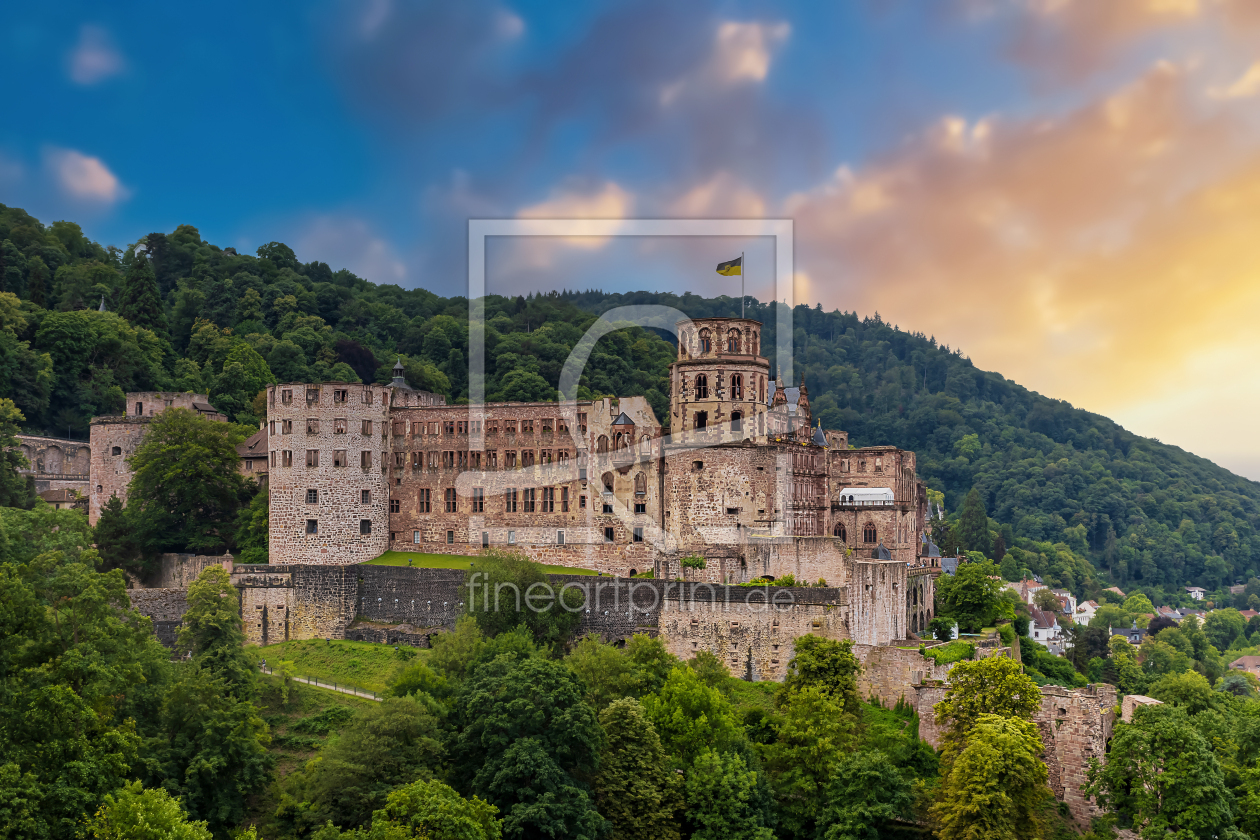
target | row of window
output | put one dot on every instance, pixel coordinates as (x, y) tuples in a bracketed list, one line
[(700, 388), (522, 500), (365, 529), (732, 341), (434, 428), (869, 533), (435, 460)]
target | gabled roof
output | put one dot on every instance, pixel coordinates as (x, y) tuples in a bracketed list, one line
[(1042, 618), (255, 444)]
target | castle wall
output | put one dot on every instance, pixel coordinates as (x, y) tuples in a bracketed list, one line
[(178, 571), (113, 441), (329, 446)]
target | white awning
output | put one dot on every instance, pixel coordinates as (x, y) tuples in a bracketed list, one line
[(866, 494)]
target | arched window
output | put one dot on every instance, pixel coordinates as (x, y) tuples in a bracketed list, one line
[(732, 341), (868, 534), (705, 344), (737, 421), (601, 443), (702, 387), (737, 386), (839, 533), (640, 485), (622, 441)]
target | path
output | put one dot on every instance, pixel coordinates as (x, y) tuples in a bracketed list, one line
[(331, 686)]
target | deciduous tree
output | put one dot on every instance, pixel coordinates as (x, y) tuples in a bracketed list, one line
[(636, 789)]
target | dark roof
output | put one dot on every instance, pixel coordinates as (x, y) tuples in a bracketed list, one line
[(820, 437), (205, 407), (930, 549), (880, 553), (61, 495), (623, 420), (398, 365), (252, 443)]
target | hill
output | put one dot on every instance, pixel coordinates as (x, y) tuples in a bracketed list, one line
[(1079, 498)]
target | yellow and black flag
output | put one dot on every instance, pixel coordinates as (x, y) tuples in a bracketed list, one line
[(732, 267)]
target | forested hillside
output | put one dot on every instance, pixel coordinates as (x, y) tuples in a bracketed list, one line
[(1060, 483)]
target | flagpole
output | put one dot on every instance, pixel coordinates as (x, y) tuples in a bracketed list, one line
[(741, 283)]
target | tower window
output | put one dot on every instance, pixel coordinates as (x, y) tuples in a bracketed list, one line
[(312, 526), (312, 497), (737, 386), (366, 497), (702, 420), (608, 535), (365, 526), (868, 533), (737, 419), (839, 532), (117, 450), (702, 387), (394, 505)]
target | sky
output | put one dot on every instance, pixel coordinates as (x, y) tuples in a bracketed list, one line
[(1067, 190)]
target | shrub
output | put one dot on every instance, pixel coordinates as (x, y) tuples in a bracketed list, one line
[(952, 652)]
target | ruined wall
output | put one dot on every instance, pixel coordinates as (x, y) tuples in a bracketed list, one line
[(178, 571), (892, 673), (329, 446), (56, 463), (165, 607), (1075, 725)]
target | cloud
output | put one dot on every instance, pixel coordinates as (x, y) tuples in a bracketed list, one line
[(607, 200), (1247, 85), (347, 242), (1094, 257), (83, 177), (94, 58)]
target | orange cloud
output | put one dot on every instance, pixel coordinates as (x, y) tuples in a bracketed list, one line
[(1099, 257)]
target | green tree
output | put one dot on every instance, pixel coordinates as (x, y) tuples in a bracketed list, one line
[(244, 375), (140, 302), (523, 737), (636, 790), (38, 281), (114, 537), (994, 685), (435, 811), (996, 786), (185, 490), (812, 735), (1222, 627), (212, 632), (690, 716), (507, 589), (973, 524), (138, 813), (866, 794), (1162, 778), (606, 672), (826, 664), (13, 485), (972, 597), (721, 799), (252, 531)]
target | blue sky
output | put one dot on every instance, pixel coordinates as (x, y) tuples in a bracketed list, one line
[(1030, 180)]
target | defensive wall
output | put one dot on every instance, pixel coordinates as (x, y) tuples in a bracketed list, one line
[(56, 463)]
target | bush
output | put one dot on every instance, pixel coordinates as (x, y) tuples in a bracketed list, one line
[(950, 653)]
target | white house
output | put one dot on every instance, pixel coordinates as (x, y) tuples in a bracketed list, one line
[(1068, 599), (1084, 612), (1045, 629), (1196, 592)]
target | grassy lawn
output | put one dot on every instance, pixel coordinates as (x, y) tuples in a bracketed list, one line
[(368, 665), (453, 561)]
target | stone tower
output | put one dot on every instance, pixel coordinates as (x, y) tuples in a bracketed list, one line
[(719, 380), (329, 450)]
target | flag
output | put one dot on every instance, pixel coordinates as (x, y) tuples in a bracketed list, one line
[(732, 268)]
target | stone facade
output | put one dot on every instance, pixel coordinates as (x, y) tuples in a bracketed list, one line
[(178, 571), (743, 481)]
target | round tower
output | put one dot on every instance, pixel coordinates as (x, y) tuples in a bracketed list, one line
[(328, 453), (719, 380)]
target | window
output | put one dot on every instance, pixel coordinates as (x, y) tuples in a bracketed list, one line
[(868, 533), (640, 507), (479, 500), (286, 396), (287, 458), (562, 456), (527, 427), (366, 396), (365, 497), (509, 459), (417, 460), (271, 427), (702, 420), (450, 537), (492, 427), (463, 459), (339, 426), (461, 427), (425, 501), (564, 499), (312, 396), (474, 460), (608, 535), (706, 343), (273, 457), (548, 500), (582, 502), (340, 395), (607, 508), (702, 387), (546, 426), (485, 539), (365, 526), (433, 460), (527, 500), (139, 409), (737, 386), (582, 422), (697, 466), (339, 457), (395, 505), (365, 460), (312, 526), (638, 535), (640, 484), (732, 341), (451, 503), (544, 456), (509, 427), (312, 426), (732, 511), (117, 450), (562, 425), (312, 497), (400, 459), (399, 427), (448, 460), (511, 538), (559, 537), (450, 428), (509, 500), (737, 421), (839, 532), (286, 427), (415, 537), (492, 460), (312, 457)]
